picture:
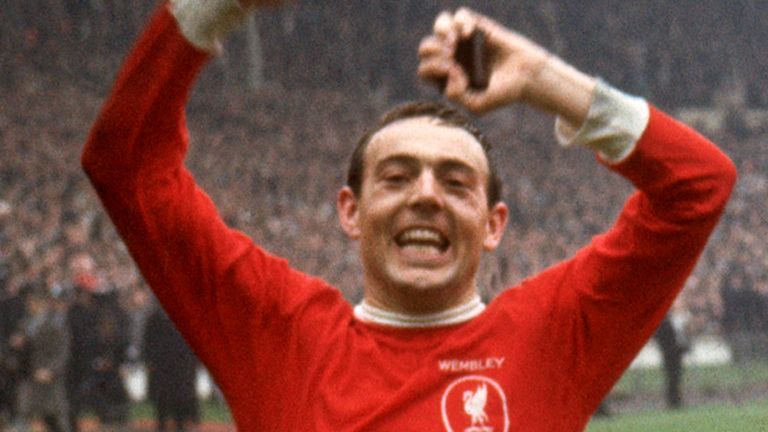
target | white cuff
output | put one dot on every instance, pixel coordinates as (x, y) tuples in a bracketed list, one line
[(206, 22), (614, 124)]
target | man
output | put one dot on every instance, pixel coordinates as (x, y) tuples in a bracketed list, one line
[(99, 329), (421, 352), (673, 345), (82, 322), (42, 393), (12, 353), (172, 374)]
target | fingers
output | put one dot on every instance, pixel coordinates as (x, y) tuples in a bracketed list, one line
[(435, 58), (442, 41), (443, 23), (477, 102), (438, 63), (460, 25), (434, 47), (436, 53), (466, 21), (457, 83)]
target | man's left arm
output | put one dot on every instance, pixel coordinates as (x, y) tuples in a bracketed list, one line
[(605, 303), (626, 279)]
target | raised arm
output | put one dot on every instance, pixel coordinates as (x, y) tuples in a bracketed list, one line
[(213, 281), (134, 157), (604, 304)]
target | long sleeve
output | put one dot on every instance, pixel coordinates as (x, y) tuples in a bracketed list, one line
[(612, 295), (134, 158), (225, 294)]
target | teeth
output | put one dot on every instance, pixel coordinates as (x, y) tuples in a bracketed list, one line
[(422, 248), (422, 237)]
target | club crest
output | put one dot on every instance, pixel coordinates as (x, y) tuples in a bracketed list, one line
[(475, 403)]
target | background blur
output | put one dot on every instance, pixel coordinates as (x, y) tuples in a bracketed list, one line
[(273, 119)]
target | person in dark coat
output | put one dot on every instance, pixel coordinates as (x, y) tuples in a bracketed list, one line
[(673, 346), (99, 329), (172, 368), (42, 393), (105, 390), (12, 356), (82, 321)]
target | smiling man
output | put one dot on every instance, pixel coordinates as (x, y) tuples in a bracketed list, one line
[(421, 351), (421, 211)]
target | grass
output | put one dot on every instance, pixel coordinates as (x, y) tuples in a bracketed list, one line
[(210, 411), (701, 383), (749, 418), (702, 379)]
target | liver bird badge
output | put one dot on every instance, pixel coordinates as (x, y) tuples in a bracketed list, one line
[(474, 406)]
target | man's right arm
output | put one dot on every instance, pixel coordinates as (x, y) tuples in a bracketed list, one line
[(134, 158), (209, 277)]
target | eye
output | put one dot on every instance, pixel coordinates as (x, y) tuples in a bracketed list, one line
[(456, 182), (395, 178), (457, 177)]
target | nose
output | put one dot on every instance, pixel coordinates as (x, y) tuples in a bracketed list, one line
[(426, 192)]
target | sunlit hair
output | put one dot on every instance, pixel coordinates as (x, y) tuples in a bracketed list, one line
[(447, 115)]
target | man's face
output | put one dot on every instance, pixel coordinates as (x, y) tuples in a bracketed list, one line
[(422, 216)]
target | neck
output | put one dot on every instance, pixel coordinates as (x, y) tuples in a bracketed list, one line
[(416, 298), (377, 314)]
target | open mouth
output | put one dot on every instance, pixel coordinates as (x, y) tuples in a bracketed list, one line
[(423, 239)]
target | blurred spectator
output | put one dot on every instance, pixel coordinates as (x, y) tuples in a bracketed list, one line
[(42, 392), (82, 320), (13, 360), (172, 368), (99, 329), (745, 316), (673, 343), (104, 388)]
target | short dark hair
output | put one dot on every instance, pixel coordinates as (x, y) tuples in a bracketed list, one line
[(448, 115)]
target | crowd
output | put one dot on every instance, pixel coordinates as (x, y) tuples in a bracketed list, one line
[(68, 290), (681, 53), (273, 158)]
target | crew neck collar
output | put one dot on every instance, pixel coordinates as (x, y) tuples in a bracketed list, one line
[(371, 314)]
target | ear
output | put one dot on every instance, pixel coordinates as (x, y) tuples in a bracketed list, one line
[(346, 206), (496, 225)]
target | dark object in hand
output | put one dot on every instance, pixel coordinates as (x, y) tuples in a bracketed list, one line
[(472, 56)]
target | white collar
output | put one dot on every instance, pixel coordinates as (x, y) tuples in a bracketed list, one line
[(367, 313)]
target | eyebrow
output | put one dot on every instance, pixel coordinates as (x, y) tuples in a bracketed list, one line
[(406, 160), (457, 165), (448, 164)]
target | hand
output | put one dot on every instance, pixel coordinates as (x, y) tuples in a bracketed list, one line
[(515, 61), (520, 70)]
